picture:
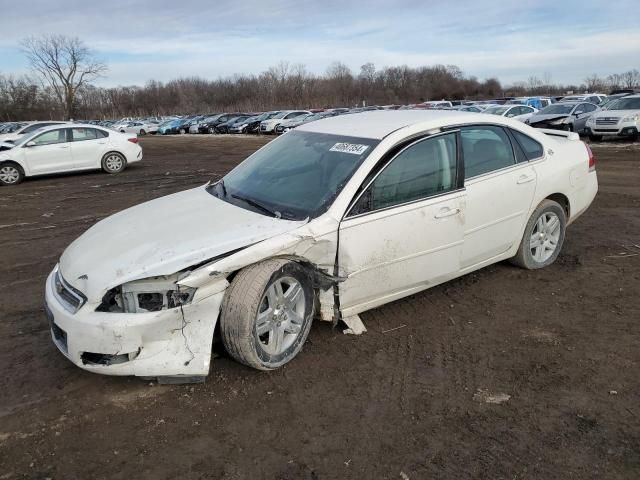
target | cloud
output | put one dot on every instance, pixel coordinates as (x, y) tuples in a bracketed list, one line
[(163, 39)]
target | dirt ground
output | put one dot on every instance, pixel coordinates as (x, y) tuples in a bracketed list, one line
[(412, 402)]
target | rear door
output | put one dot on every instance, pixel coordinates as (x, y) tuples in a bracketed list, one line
[(404, 232), (49, 152), (499, 189), (87, 147)]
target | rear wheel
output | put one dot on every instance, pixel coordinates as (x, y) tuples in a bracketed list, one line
[(113, 162), (543, 237), (266, 314), (11, 174)]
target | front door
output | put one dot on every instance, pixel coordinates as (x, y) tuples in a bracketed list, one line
[(405, 231), (49, 152)]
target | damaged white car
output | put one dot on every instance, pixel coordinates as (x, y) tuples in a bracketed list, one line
[(334, 218)]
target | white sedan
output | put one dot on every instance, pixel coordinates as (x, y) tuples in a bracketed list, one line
[(331, 219), (517, 112), (139, 128), (67, 148)]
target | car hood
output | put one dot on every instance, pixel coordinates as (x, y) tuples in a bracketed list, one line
[(536, 117), (617, 113), (9, 136), (162, 237)]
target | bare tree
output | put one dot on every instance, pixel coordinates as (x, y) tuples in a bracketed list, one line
[(65, 63), (630, 79)]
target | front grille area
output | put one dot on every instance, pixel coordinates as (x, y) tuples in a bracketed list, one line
[(70, 298), (607, 121), (59, 335)]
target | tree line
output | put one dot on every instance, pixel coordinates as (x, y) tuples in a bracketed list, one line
[(64, 68)]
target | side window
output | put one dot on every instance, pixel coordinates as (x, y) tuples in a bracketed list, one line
[(51, 137), (81, 134), (485, 149), (101, 134), (531, 148), (423, 169), (587, 107)]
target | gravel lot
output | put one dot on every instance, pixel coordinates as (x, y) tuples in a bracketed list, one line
[(413, 402)]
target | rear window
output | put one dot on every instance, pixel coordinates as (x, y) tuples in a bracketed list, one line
[(531, 148)]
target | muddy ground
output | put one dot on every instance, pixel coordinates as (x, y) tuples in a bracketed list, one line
[(563, 343)]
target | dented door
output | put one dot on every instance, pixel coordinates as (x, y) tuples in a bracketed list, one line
[(405, 231)]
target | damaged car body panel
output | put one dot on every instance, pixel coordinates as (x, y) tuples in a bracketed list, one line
[(142, 292)]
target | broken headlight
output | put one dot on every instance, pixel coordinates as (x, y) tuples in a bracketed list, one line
[(147, 295)]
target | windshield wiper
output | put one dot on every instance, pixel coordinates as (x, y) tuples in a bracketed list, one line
[(258, 205)]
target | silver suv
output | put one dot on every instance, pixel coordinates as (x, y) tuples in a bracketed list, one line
[(620, 119)]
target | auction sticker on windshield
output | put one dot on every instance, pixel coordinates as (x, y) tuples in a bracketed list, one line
[(353, 148)]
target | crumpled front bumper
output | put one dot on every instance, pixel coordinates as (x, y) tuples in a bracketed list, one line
[(173, 342)]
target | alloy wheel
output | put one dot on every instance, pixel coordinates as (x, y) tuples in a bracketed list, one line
[(545, 237), (280, 316)]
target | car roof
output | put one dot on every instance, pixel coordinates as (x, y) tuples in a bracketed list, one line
[(377, 124)]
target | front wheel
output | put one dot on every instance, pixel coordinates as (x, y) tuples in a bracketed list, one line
[(543, 237), (266, 314), (11, 174), (142, 132), (113, 163)]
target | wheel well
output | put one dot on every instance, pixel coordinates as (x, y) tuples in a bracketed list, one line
[(563, 201), (114, 151)]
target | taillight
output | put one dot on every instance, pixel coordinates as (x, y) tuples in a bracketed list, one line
[(592, 159), (135, 140)]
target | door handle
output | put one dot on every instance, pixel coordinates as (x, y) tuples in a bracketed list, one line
[(63, 146), (447, 212), (526, 179)]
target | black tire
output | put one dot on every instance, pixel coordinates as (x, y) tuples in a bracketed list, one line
[(182, 131), (142, 132), (245, 298), (110, 163), (595, 138), (212, 130), (11, 174), (524, 257)]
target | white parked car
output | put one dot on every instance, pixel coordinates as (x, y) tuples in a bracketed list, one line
[(139, 128), (334, 218), (517, 112), (620, 119), (67, 148), (269, 126), (25, 130)]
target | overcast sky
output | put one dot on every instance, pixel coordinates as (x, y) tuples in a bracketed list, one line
[(159, 39)]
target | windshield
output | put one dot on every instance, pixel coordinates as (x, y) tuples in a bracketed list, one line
[(496, 110), (296, 176), (557, 108), (625, 103)]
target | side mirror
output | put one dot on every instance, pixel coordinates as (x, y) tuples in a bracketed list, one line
[(30, 144)]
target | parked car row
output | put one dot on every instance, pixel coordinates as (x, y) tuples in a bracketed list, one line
[(580, 113)]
